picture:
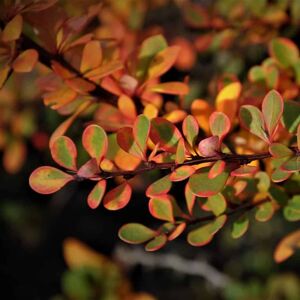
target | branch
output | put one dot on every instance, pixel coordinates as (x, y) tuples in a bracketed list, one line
[(240, 159)]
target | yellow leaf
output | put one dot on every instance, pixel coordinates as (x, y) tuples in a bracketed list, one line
[(201, 110), (127, 107)]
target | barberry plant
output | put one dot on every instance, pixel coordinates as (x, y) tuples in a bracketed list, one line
[(233, 153)]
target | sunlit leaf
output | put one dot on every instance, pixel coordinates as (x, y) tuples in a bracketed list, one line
[(272, 109), (182, 173), (157, 243), (64, 152), (284, 51), (204, 234), (165, 134), (190, 129), (161, 208), (240, 226), (118, 197), (95, 142), (287, 246), (177, 231), (48, 180), (135, 233), (159, 187), (13, 29), (149, 48), (173, 88), (91, 56), (216, 203), (26, 61), (217, 168), (127, 107), (252, 119), (141, 130), (96, 194), (219, 124), (201, 110), (264, 212), (162, 61), (202, 186)]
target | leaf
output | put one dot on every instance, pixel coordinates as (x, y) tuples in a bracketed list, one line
[(279, 150), (204, 234), (272, 109), (201, 110), (141, 130), (127, 107), (279, 175), (14, 156), (118, 197), (190, 198), (157, 243), (172, 88), (94, 141), (165, 134), (264, 212), (202, 186), (48, 180), (149, 48), (4, 72), (264, 182), (134, 233), (13, 29), (182, 173), (64, 152), (284, 51), (159, 187), (104, 70), (26, 61), (226, 101), (180, 152), (219, 124), (177, 231), (217, 204), (209, 146), (89, 170), (161, 208), (91, 56), (252, 119), (126, 142), (190, 129), (298, 137), (291, 115), (217, 168), (162, 62), (287, 246), (292, 165), (96, 194), (244, 171), (240, 227)]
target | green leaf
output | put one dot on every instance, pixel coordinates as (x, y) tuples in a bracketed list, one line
[(244, 171), (118, 197), (180, 152), (190, 198), (141, 130), (264, 182), (64, 152), (264, 212), (182, 173), (48, 180), (149, 48), (96, 195), (279, 175), (190, 129), (292, 165), (135, 233), (217, 204), (95, 142), (202, 186), (219, 124), (217, 168), (291, 115), (279, 150), (239, 227), (204, 234), (284, 51), (252, 119), (161, 208), (164, 133), (292, 211), (272, 109), (298, 137), (159, 187), (157, 243)]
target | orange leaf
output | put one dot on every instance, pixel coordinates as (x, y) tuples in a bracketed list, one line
[(173, 88), (26, 61), (118, 197), (13, 29), (91, 56)]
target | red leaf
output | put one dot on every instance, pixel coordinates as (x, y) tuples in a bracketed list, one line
[(118, 197)]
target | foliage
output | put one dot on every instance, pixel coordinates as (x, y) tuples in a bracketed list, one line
[(232, 151)]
